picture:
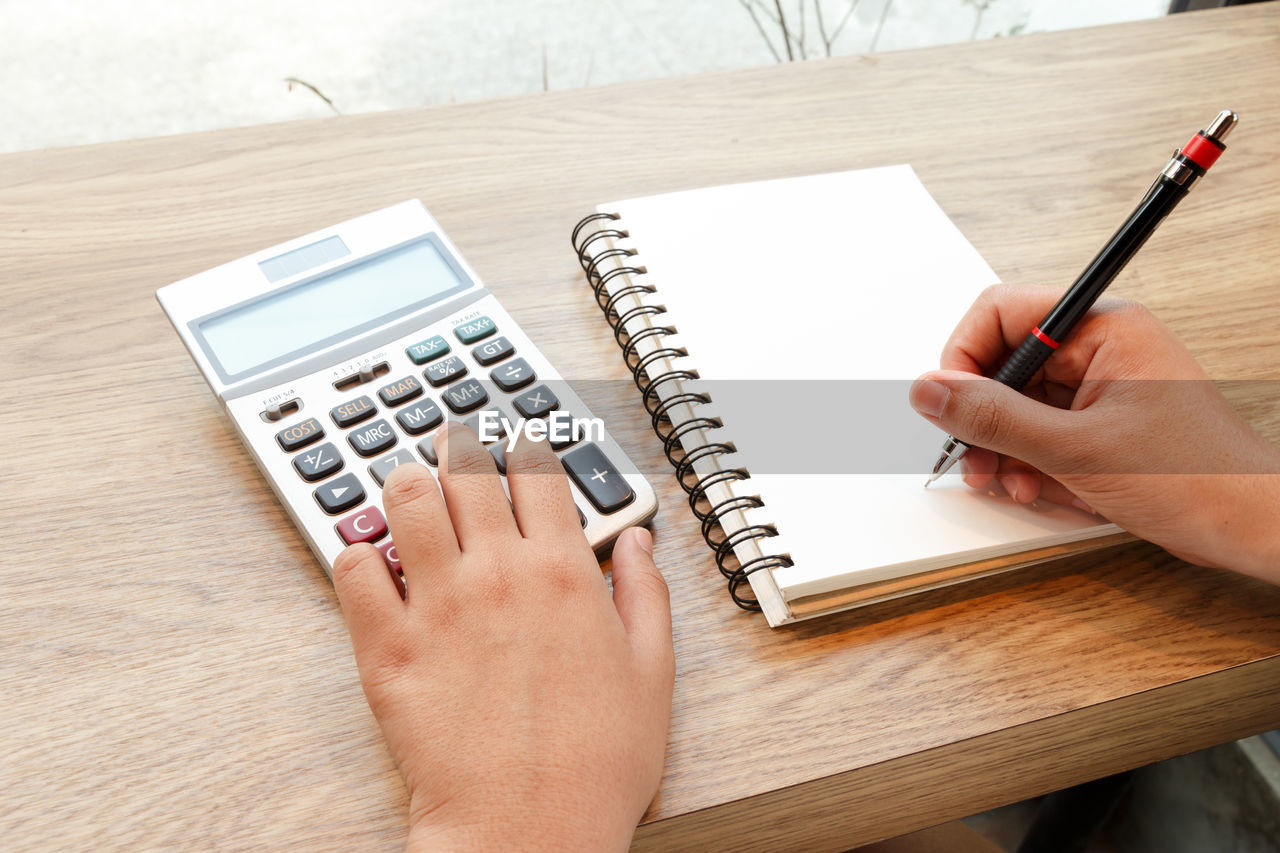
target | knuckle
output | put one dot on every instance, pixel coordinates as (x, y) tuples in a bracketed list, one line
[(986, 422), (468, 461), (530, 461), (408, 484), (351, 560)]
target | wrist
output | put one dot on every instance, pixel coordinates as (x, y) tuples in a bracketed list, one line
[(507, 827)]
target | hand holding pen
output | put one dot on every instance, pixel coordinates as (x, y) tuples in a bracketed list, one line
[(1174, 181)]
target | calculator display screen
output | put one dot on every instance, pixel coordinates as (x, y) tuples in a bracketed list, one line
[(329, 309)]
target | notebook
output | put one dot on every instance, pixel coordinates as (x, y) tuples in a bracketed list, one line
[(774, 329)]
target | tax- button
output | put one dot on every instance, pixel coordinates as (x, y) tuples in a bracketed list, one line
[(353, 412), (400, 391), (365, 526), (300, 435), (600, 481), (423, 351), (374, 438), (341, 493), (474, 330), (490, 351), (318, 463)]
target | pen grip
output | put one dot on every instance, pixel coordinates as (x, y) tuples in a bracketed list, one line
[(1023, 364)]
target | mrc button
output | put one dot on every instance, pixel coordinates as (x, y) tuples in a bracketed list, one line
[(373, 439), (300, 435), (353, 411)]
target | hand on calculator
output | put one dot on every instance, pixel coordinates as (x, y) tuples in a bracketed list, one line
[(525, 707)]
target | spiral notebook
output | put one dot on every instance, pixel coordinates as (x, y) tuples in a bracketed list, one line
[(773, 329)]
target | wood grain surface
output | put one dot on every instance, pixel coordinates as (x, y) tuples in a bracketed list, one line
[(175, 671)]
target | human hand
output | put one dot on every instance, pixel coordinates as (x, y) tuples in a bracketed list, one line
[(1120, 421), (525, 708)]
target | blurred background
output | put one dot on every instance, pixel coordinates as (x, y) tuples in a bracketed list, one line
[(81, 71)]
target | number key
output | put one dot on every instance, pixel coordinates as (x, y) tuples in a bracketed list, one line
[(384, 466)]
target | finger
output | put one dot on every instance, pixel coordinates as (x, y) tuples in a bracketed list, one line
[(370, 598), (640, 594), (419, 523), (1020, 480), (478, 506), (979, 466), (984, 413), (540, 492), (1053, 491), (994, 325)]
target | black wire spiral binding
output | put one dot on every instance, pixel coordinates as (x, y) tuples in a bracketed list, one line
[(593, 248)]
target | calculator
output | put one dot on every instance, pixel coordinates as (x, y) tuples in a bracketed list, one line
[(340, 355)]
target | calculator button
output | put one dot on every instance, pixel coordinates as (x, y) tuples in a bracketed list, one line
[(353, 412), (582, 518), (365, 526), (300, 435), (474, 330), (420, 417), (401, 391), (499, 453), (491, 351), (427, 448), (536, 402), (384, 466), (391, 555), (445, 371), (341, 493), (318, 463), (562, 435), (465, 396), (496, 429), (373, 439), (514, 374), (602, 483), (424, 351)]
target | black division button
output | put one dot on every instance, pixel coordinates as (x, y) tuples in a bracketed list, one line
[(600, 481), (340, 494), (445, 371), (384, 466), (373, 439), (492, 351), (353, 412), (536, 402), (300, 435), (514, 374), (465, 396), (318, 463), (420, 417), (400, 391)]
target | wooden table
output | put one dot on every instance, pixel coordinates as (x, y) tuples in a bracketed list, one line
[(175, 671)]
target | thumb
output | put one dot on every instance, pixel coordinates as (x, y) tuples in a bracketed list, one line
[(641, 596), (985, 413)]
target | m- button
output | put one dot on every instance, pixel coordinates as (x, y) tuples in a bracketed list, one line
[(353, 412), (373, 439)]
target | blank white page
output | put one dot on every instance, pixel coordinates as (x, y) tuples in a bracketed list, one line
[(849, 276)]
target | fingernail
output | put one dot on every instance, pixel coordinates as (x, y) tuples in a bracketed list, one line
[(644, 539), (1011, 486), (1079, 504), (929, 397)]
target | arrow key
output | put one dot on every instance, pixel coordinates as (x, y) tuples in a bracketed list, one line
[(340, 494)]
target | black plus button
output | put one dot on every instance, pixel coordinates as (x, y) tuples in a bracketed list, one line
[(492, 351), (514, 374), (373, 439), (318, 463), (339, 494), (600, 481)]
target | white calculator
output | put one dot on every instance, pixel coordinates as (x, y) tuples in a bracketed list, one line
[(339, 356)]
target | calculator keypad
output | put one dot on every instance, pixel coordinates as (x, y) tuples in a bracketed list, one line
[(491, 352), (465, 397), (353, 411), (318, 463), (367, 525), (420, 417), (599, 480), (428, 349), (373, 439), (536, 402), (474, 330), (513, 375), (384, 466)]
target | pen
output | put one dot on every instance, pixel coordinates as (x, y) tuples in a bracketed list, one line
[(1186, 167)]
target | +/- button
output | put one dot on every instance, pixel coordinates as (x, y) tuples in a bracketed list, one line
[(353, 412), (318, 463), (341, 493), (366, 525)]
